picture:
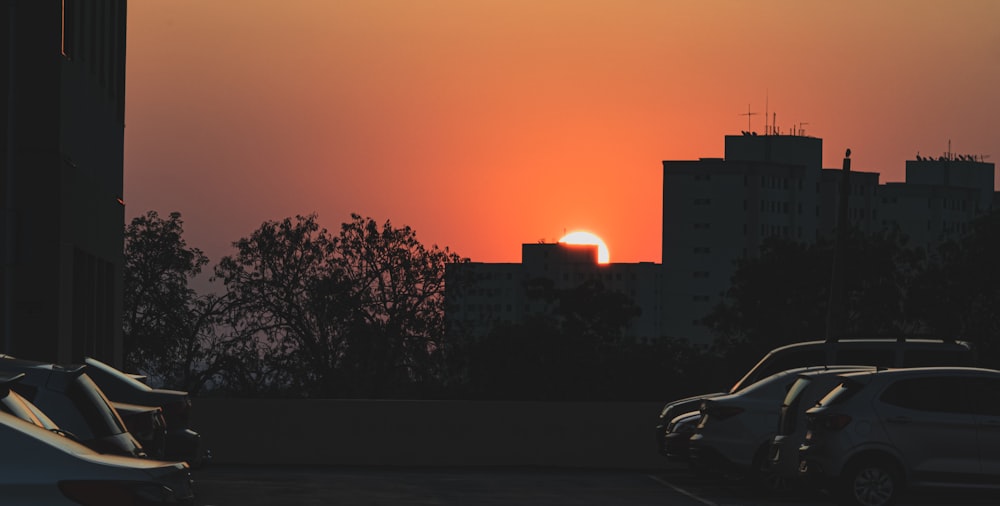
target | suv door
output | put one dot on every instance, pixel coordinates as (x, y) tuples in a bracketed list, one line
[(930, 422)]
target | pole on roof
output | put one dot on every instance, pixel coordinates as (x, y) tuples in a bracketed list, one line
[(836, 312)]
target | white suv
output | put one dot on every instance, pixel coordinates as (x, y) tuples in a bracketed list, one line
[(877, 431), (874, 352), (735, 430)]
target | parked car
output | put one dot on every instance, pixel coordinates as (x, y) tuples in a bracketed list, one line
[(12, 403), (181, 443), (147, 425), (676, 444), (808, 388), (71, 399), (735, 430), (877, 432), (875, 352), (41, 468)]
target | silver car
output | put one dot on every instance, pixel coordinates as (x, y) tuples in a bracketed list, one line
[(41, 468), (735, 430), (877, 432), (808, 388)]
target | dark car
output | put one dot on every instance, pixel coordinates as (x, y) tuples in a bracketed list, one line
[(73, 401), (181, 443)]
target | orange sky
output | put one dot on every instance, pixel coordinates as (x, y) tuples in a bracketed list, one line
[(486, 124)]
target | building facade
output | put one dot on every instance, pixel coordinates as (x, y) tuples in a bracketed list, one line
[(719, 211), (479, 296), (64, 95)]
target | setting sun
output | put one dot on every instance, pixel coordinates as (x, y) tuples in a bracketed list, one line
[(603, 256)]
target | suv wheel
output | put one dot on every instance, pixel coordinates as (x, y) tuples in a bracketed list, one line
[(871, 482)]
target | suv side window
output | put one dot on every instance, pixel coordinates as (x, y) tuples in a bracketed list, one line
[(877, 357), (939, 394)]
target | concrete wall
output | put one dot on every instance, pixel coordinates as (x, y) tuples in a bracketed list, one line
[(428, 433)]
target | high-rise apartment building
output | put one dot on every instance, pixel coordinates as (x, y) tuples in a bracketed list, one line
[(62, 143), (717, 211)]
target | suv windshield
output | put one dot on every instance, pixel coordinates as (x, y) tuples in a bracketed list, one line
[(777, 361), (100, 417), (841, 393), (101, 370), (790, 405)]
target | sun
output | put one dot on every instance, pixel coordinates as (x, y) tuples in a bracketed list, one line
[(603, 256)]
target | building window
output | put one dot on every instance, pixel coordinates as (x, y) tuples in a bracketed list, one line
[(702, 202)]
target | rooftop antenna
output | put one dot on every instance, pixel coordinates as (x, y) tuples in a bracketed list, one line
[(748, 114), (767, 131)]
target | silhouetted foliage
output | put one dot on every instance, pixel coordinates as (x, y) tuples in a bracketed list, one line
[(781, 296), (357, 315), (168, 329), (576, 350), (958, 294)]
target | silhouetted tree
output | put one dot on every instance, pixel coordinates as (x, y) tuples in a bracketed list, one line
[(958, 295), (397, 338), (358, 314), (291, 306), (168, 329), (571, 351), (782, 295)]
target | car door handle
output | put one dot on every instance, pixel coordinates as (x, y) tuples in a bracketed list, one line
[(898, 419)]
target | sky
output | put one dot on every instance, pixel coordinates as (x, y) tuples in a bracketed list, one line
[(486, 124)]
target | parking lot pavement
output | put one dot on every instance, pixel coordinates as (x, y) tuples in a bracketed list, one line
[(257, 486), (720, 491), (252, 486)]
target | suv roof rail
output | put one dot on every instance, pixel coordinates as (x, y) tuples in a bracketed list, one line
[(899, 338)]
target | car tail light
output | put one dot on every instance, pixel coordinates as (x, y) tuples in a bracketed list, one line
[(118, 493), (831, 423)]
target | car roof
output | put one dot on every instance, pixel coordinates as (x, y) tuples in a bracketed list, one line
[(877, 341), (8, 362), (917, 371)]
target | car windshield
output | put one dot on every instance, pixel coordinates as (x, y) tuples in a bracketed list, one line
[(842, 392), (790, 405), (101, 418), (796, 389), (106, 371), (781, 359), (14, 404)]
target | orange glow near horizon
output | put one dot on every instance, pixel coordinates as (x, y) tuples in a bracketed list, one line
[(484, 125), (587, 238)]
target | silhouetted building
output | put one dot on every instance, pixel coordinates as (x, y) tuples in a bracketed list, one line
[(940, 198), (717, 211), (479, 296), (64, 95)]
